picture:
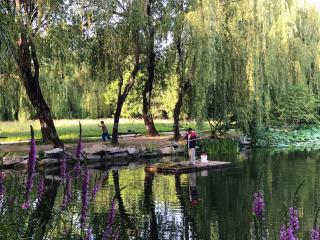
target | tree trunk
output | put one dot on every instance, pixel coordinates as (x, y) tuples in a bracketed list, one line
[(123, 95), (26, 56), (147, 91), (176, 117)]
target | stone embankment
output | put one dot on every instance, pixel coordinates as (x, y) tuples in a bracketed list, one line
[(98, 153)]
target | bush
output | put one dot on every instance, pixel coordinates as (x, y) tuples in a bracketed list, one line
[(297, 106)]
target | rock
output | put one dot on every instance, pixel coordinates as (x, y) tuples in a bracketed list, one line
[(150, 154), (175, 144), (12, 160), (48, 161), (114, 150), (142, 149), (54, 153), (96, 149), (94, 158), (167, 151), (120, 155), (132, 151), (180, 150), (21, 165)]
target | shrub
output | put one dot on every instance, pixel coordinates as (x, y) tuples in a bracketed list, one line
[(296, 106)]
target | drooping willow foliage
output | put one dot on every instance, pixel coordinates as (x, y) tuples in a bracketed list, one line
[(241, 57), (261, 48)]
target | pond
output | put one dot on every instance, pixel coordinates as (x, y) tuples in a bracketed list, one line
[(214, 204)]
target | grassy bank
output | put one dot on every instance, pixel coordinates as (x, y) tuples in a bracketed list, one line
[(68, 130)]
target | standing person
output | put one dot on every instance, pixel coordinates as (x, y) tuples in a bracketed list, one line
[(104, 130), (191, 138)]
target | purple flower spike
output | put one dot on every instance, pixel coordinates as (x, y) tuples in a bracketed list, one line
[(258, 204), (41, 189), (77, 168), (85, 198), (32, 156), (1, 186), (89, 235), (31, 170), (79, 148), (68, 193), (290, 233), (63, 167), (111, 216), (283, 232), (294, 219), (315, 234)]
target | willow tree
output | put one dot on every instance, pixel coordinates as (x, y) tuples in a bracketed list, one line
[(202, 22), (128, 52), (21, 25), (185, 58)]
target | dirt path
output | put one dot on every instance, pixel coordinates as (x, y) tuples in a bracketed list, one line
[(123, 141)]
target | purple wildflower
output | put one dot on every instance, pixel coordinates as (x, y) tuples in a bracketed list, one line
[(283, 232), (41, 189), (287, 233), (63, 167), (77, 168), (1, 186), (315, 234), (294, 219), (111, 216), (31, 169), (32, 156), (258, 204), (79, 148), (85, 198), (89, 235), (67, 193)]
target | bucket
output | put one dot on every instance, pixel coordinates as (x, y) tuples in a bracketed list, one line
[(204, 158)]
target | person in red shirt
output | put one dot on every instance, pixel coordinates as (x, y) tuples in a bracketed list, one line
[(191, 138)]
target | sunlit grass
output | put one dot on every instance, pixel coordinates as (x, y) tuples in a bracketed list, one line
[(68, 130)]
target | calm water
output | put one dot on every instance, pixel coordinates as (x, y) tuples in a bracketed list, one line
[(213, 204)]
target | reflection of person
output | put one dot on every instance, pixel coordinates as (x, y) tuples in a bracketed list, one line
[(191, 138), (193, 192), (104, 130)]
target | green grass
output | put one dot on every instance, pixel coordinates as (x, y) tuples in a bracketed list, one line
[(68, 130)]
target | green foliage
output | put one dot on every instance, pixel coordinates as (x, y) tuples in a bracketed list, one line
[(297, 105)]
